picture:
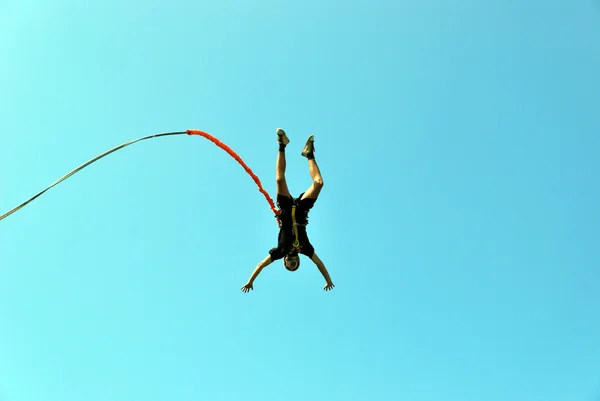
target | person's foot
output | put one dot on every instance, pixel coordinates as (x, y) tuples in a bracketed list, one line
[(282, 138), (309, 148)]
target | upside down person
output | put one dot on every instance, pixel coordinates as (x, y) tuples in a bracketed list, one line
[(293, 239)]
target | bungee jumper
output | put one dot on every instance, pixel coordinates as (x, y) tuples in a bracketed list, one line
[(293, 217)]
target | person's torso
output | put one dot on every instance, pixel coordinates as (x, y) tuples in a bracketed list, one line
[(287, 233), (296, 212), (287, 237)]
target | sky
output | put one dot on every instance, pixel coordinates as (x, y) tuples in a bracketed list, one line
[(458, 143)]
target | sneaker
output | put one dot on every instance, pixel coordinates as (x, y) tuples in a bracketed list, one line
[(282, 138), (309, 148)]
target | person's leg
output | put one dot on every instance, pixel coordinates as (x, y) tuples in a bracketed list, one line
[(317, 181), (282, 188)]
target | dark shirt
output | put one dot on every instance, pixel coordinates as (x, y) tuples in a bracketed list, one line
[(286, 232)]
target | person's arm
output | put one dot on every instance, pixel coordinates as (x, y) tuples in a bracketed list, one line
[(250, 284), (329, 284)]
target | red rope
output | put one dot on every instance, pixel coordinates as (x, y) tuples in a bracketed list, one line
[(241, 162)]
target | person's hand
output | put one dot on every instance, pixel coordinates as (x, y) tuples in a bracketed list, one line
[(247, 287), (329, 286)]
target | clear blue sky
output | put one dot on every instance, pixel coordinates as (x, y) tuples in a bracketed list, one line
[(459, 219)]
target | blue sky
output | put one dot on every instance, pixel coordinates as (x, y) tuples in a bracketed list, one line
[(459, 221)]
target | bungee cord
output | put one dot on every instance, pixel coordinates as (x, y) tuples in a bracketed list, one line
[(187, 132)]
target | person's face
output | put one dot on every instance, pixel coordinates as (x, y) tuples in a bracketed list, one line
[(291, 262)]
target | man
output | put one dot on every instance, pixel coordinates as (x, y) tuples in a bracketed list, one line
[(293, 239)]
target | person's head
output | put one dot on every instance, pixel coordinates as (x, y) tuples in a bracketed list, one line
[(291, 262)]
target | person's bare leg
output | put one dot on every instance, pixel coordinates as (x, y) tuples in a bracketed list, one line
[(282, 140), (313, 168)]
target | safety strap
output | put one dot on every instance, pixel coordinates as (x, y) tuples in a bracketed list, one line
[(296, 243)]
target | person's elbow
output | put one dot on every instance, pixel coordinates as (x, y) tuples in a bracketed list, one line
[(265, 262)]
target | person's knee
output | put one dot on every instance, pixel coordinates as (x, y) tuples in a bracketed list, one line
[(280, 178), (318, 183)]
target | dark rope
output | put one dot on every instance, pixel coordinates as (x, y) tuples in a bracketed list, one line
[(84, 166)]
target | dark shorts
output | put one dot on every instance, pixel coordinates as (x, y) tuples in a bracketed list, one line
[(285, 202)]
